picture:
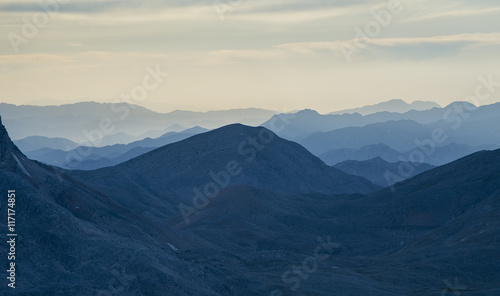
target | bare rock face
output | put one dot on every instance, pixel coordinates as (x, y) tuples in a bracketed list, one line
[(9, 154), (5, 142)]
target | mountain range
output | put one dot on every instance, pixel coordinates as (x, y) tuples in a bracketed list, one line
[(285, 223), (397, 106), (300, 125), (90, 158), (464, 129), (381, 172), (122, 122), (234, 154)]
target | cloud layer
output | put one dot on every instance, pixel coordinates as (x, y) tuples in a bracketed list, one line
[(242, 53)]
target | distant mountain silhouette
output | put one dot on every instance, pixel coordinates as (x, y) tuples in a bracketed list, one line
[(300, 125), (38, 142), (400, 135), (91, 158), (407, 135), (448, 153), (83, 121), (441, 154), (375, 170), (398, 106), (334, 156)]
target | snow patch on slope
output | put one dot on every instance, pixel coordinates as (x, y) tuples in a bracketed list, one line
[(20, 165), (172, 247)]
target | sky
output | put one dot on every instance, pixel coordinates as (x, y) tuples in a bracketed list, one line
[(224, 54)]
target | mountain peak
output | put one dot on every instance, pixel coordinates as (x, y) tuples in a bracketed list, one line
[(233, 154), (461, 104), (394, 105), (308, 112), (6, 145), (10, 155)]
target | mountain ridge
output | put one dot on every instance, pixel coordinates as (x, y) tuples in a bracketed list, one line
[(395, 105), (207, 162)]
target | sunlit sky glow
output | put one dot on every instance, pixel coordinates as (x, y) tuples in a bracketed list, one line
[(273, 54)]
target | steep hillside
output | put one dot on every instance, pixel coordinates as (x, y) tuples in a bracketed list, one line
[(381, 172), (206, 163)]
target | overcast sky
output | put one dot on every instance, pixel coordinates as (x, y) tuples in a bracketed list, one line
[(273, 54)]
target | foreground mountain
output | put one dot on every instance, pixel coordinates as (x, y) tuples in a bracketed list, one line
[(73, 240), (234, 154), (415, 239), (433, 234)]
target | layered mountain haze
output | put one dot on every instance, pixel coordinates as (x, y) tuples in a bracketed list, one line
[(275, 211), (466, 129), (381, 172), (453, 117), (440, 154), (398, 106), (367, 152), (122, 122), (243, 148), (38, 142), (91, 158), (399, 135), (234, 154)]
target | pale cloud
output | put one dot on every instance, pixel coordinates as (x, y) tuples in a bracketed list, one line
[(34, 59), (479, 39), (472, 39), (308, 14), (88, 58), (113, 14), (238, 56), (453, 11), (266, 52)]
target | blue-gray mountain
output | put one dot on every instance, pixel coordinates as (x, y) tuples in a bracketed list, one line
[(408, 136), (381, 172), (78, 237), (82, 122), (234, 154), (91, 158), (455, 116), (440, 154), (397, 106)]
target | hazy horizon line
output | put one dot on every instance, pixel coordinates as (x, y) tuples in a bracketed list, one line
[(408, 102)]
